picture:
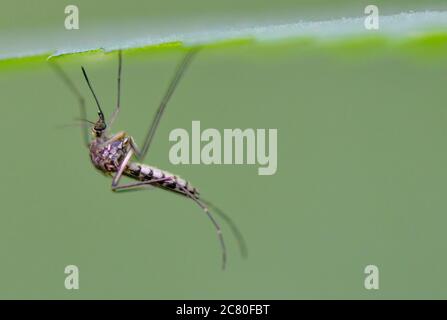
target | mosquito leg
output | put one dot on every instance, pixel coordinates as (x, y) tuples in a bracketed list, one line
[(72, 87), (135, 148), (118, 99), (119, 173), (174, 82), (233, 227), (215, 223), (135, 185)]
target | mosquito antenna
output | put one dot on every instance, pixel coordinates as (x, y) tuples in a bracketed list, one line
[(172, 86), (233, 227), (100, 113)]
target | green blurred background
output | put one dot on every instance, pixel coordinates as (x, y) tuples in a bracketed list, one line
[(23, 14), (361, 178)]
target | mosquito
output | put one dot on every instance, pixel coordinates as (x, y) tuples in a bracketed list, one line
[(115, 154)]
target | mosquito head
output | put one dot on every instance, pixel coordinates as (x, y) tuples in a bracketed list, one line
[(100, 125)]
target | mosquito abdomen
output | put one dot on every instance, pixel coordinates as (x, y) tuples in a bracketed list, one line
[(144, 172)]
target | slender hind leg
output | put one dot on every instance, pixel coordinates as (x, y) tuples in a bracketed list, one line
[(233, 227), (216, 225), (72, 87), (174, 82), (118, 98), (139, 185)]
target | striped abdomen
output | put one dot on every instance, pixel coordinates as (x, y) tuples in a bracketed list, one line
[(144, 172)]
